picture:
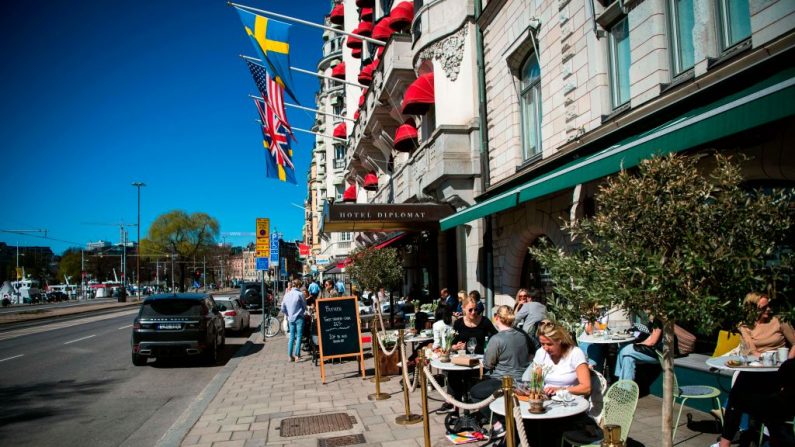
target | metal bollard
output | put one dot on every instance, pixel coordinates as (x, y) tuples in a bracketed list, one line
[(376, 356), (507, 394), (378, 395), (408, 418), (426, 421)]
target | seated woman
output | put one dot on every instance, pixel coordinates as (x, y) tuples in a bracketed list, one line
[(567, 370), (508, 354), (758, 393), (473, 325), (443, 324), (642, 351)]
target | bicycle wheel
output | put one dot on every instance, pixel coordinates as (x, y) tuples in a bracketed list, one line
[(272, 326)]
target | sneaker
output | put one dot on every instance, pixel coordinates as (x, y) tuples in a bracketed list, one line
[(446, 408), (497, 430)]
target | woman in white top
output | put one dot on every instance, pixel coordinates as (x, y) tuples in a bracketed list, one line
[(568, 365), (443, 324)]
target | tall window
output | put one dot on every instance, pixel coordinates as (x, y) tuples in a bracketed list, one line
[(735, 22), (682, 23), (619, 63), (530, 103), (346, 237)]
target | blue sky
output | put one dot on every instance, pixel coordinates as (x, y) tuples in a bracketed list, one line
[(100, 94)]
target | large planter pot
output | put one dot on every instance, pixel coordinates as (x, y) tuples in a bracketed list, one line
[(388, 364)]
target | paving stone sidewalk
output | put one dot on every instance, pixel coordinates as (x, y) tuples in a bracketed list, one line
[(264, 389)]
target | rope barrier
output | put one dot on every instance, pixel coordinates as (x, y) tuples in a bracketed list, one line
[(405, 369), (453, 401), (517, 416), (381, 343)]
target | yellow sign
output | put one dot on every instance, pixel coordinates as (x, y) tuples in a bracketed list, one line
[(263, 247), (19, 269)]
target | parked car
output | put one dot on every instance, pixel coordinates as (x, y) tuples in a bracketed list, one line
[(251, 295), (57, 296), (236, 317), (177, 325)]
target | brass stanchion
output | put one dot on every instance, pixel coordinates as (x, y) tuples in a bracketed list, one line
[(507, 393), (426, 421), (408, 418), (376, 356), (378, 395)]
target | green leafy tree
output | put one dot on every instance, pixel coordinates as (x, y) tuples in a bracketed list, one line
[(673, 243), (373, 268), (177, 233), (70, 266)]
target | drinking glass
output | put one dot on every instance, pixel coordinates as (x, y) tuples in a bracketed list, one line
[(471, 344)]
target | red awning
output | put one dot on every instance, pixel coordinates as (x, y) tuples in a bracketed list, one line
[(379, 51), (391, 241), (356, 53), (356, 115), (365, 28), (338, 71), (382, 30), (366, 14), (406, 137), (419, 96), (370, 181), (361, 98), (402, 15), (353, 42), (337, 15), (362, 3), (366, 75), (350, 194), (341, 131)]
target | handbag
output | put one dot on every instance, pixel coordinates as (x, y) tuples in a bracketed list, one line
[(685, 341)]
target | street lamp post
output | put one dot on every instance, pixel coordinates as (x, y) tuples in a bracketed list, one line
[(138, 186)]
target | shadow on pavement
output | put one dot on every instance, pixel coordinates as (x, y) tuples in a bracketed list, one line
[(46, 399)]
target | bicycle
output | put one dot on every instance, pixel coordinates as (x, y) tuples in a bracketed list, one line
[(270, 320)]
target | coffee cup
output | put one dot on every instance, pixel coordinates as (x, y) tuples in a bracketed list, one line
[(461, 352), (564, 395), (782, 354), (768, 358)]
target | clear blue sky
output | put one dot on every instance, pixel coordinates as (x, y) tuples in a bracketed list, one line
[(99, 94)]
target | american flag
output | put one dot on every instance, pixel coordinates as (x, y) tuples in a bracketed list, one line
[(271, 91)]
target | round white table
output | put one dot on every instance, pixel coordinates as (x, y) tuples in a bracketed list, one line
[(450, 366), (554, 409), (599, 339), (418, 339), (720, 363)]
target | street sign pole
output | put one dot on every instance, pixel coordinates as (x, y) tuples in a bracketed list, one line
[(262, 289)]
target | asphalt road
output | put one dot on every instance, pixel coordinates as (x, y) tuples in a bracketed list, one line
[(73, 384)]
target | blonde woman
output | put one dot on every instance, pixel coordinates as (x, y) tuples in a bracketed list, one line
[(568, 367)]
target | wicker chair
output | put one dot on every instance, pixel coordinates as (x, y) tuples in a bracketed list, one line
[(619, 409)]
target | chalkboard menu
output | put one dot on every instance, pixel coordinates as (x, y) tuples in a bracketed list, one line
[(338, 329)]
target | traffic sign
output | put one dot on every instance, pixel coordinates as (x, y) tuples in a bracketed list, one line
[(262, 264), (274, 247), (263, 237), (322, 261)]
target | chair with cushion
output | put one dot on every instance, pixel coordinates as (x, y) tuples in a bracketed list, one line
[(619, 409)]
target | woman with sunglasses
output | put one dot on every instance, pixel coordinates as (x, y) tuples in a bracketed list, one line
[(472, 325), (755, 392)]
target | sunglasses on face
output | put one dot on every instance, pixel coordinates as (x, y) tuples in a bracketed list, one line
[(472, 310), (523, 295)]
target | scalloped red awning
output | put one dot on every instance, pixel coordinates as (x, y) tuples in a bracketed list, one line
[(366, 75), (370, 181), (338, 72), (356, 115), (419, 96), (405, 137), (350, 194), (383, 30), (366, 14), (365, 29), (356, 53), (341, 131), (361, 98), (362, 3), (402, 15), (353, 42), (379, 51), (337, 15)]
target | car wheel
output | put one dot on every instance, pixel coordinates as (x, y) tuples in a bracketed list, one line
[(211, 355), (138, 360), (223, 339)]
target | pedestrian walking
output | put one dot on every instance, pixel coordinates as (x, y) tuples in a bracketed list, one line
[(294, 308)]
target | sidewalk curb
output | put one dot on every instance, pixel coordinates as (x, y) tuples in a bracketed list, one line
[(180, 428)]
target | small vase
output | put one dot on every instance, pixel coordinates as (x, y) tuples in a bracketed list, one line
[(445, 357), (536, 406)]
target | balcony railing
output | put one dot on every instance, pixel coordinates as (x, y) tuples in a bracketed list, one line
[(339, 163)]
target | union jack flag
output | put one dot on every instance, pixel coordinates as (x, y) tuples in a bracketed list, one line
[(279, 163), (271, 91)]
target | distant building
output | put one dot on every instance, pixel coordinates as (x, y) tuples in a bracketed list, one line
[(98, 245)]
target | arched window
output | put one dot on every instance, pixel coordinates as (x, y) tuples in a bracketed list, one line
[(530, 102)]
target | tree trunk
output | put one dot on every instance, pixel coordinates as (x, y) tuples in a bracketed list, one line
[(668, 384)]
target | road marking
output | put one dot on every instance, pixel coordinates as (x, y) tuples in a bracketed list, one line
[(80, 339), (125, 327), (14, 333), (10, 358)]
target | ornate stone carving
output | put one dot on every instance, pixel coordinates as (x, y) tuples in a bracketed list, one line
[(448, 52)]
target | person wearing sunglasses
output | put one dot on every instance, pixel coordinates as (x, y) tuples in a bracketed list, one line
[(528, 311)]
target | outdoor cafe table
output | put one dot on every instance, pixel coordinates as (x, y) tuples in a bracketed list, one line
[(554, 409), (450, 366), (418, 339), (599, 339), (720, 363)]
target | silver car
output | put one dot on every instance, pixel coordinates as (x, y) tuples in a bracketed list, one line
[(236, 317)]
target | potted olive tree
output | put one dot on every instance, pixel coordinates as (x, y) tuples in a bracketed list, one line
[(675, 242)]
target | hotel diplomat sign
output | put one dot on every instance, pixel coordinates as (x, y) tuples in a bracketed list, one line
[(381, 217)]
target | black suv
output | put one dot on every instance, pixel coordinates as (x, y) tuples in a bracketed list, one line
[(251, 295), (177, 324)]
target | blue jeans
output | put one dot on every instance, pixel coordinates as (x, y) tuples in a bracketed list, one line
[(294, 343), (627, 358), (596, 354)]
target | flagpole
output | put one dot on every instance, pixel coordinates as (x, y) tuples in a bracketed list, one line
[(295, 106), (314, 133), (311, 73), (304, 22)]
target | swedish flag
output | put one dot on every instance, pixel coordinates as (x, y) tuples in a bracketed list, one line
[(271, 39)]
